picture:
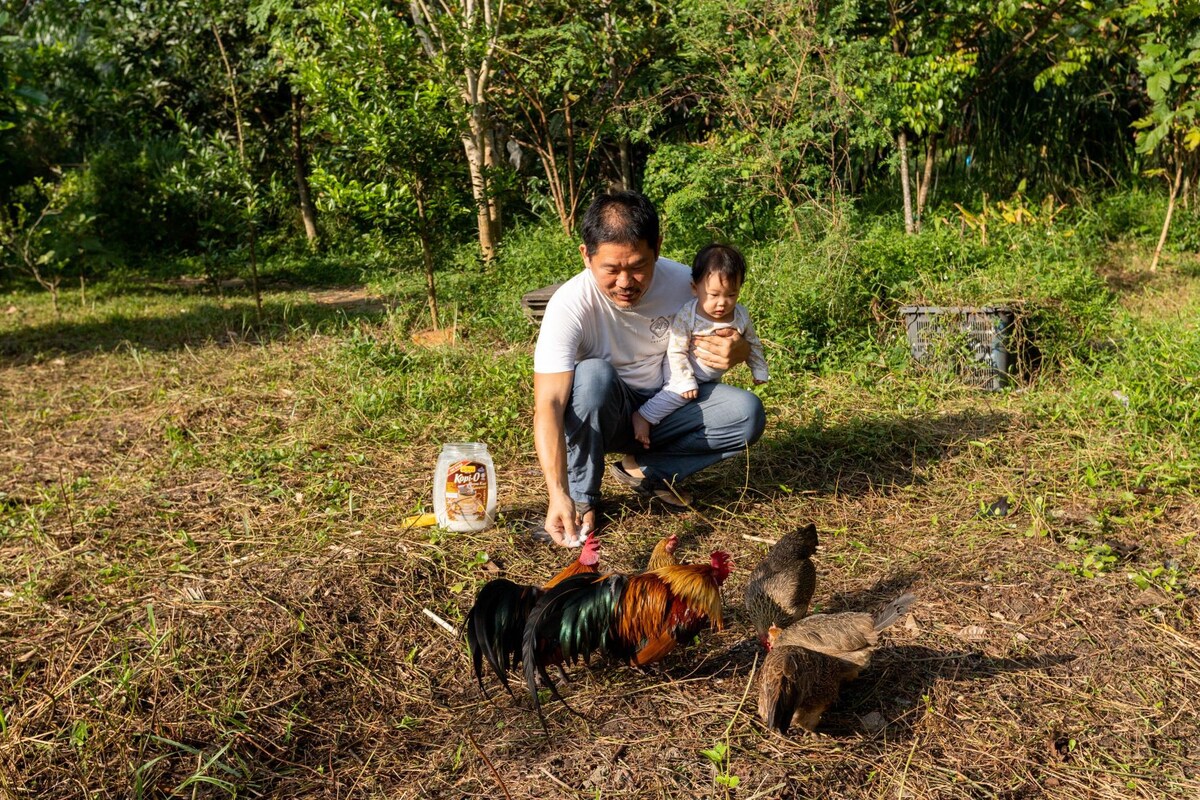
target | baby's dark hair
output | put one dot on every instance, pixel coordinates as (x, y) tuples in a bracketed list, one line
[(719, 259)]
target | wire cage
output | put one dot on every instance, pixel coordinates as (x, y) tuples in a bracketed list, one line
[(972, 342)]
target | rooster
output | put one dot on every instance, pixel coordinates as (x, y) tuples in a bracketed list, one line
[(638, 619), (496, 621), (664, 554), (809, 661), (781, 586)]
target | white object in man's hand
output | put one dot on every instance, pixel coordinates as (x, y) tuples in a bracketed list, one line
[(560, 521)]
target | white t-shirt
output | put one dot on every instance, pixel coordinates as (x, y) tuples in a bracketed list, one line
[(580, 322)]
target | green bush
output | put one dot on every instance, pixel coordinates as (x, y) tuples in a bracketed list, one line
[(131, 191), (807, 298), (489, 297), (697, 192), (815, 299), (1046, 273)]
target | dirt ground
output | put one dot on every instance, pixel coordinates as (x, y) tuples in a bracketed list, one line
[(206, 590)]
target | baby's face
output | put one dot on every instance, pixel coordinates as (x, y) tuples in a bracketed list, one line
[(717, 296)]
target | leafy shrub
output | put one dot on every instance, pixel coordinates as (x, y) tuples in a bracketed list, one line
[(1129, 214), (806, 298), (1046, 273), (695, 189), (132, 193), (530, 257)]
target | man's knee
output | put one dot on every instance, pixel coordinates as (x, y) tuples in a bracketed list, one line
[(755, 420), (592, 385)]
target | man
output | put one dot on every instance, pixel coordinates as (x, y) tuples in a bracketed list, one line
[(599, 356)]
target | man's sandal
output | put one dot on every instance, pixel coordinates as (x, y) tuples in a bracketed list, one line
[(645, 487)]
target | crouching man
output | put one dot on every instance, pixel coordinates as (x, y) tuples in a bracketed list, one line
[(599, 357)]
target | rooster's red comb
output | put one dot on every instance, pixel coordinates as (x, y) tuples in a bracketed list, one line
[(591, 550)]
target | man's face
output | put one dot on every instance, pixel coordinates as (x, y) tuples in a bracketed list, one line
[(622, 271)]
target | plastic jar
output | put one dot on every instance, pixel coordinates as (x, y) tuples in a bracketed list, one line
[(464, 487)]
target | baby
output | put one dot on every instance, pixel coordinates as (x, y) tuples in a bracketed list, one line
[(718, 272)]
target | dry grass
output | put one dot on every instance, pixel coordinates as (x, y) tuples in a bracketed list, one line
[(205, 590)]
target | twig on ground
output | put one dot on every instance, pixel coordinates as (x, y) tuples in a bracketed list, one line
[(491, 766), (449, 628)]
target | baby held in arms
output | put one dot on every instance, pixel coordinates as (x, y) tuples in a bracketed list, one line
[(718, 272)]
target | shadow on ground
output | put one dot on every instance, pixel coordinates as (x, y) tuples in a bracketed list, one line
[(900, 676), (214, 322), (869, 454)]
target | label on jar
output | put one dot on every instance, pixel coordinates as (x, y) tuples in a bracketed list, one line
[(467, 492)]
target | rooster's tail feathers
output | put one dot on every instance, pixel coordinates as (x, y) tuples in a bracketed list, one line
[(494, 627), (568, 623), (893, 611)]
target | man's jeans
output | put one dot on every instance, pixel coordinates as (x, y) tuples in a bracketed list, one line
[(720, 423)]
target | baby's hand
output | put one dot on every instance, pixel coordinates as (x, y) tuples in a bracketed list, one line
[(641, 429), (690, 394), (757, 382)]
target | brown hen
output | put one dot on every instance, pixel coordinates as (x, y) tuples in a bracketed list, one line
[(809, 661)]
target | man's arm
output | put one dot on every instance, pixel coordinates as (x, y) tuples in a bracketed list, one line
[(550, 394), (722, 350)]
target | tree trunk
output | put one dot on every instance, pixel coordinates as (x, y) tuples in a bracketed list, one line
[(905, 187), (308, 212), (254, 270), (495, 215), (475, 147), (427, 254), (241, 140), (1162, 238), (626, 163), (927, 180)]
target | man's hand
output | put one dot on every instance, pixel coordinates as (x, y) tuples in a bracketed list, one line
[(721, 350), (560, 520), (550, 394), (641, 429)]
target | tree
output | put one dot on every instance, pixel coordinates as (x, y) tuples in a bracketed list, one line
[(43, 231), (389, 130), (1164, 38), (782, 119), (282, 24), (1168, 35), (566, 70), (460, 37), (934, 63)]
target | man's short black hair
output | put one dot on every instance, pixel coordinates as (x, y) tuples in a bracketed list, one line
[(620, 218), (719, 259)]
